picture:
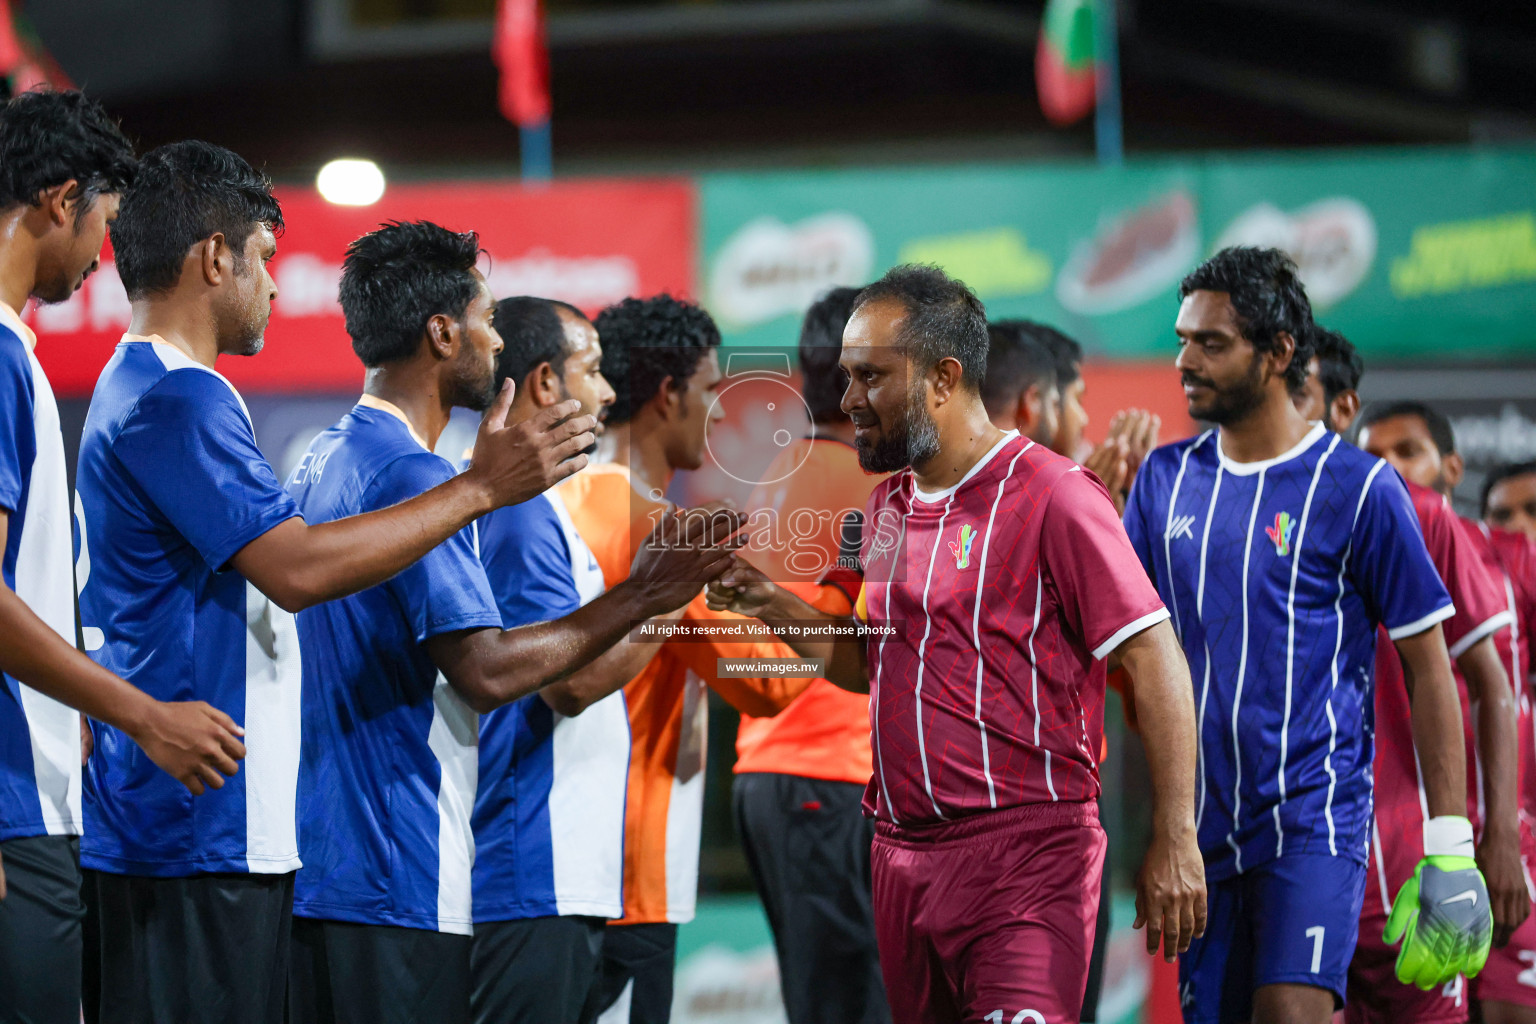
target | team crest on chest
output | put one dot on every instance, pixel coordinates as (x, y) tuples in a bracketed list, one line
[(962, 548), (1281, 532)]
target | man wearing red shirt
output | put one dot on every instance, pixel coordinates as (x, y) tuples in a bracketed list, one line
[(997, 580)]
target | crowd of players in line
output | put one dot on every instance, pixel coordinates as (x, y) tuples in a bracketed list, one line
[(419, 674)]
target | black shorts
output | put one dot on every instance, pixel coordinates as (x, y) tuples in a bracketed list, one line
[(204, 948), (40, 929), (807, 843), (635, 984), (540, 970), (376, 974)]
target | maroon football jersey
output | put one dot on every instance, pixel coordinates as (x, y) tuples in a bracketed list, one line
[(1481, 609), (994, 603)]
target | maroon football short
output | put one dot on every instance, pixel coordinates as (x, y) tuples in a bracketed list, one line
[(989, 919), (1510, 974)]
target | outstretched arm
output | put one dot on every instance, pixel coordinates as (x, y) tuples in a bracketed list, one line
[(1170, 889), (195, 743), (1498, 745), (299, 566)]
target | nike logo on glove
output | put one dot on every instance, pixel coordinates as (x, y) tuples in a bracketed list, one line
[(1468, 896)]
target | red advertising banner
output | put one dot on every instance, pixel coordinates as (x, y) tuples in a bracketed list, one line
[(587, 243)]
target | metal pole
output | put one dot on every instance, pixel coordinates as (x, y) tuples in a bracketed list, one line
[(1108, 130), (537, 152)]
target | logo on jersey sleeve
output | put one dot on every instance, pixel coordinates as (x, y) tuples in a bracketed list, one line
[(1281, 532), (962, 548)]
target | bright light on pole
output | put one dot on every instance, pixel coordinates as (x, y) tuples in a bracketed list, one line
[(351, 182)]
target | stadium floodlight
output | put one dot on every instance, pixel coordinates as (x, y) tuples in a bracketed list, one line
[(350, 182)]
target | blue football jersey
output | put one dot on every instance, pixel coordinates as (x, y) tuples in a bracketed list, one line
[(170, 487), (388, 773), (1277, 574), (549, 813), (39, 737)]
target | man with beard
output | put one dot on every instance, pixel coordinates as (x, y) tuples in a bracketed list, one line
[(1331, 392), (63, 165), (1020, 391), (179, 511), (1279, 550), (395, 675), (997, 581)]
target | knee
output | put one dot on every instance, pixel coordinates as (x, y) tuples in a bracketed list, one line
[(1292, 1004)]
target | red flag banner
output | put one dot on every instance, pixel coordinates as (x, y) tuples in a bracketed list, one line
[(521, 53)]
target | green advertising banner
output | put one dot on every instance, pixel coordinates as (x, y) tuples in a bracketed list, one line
[(1414, 254)]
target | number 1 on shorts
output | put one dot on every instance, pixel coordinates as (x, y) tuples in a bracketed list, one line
[(1316, 933)]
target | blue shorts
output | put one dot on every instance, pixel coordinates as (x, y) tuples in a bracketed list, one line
[(1292, 921)]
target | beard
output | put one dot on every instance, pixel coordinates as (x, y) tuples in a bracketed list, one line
[(1233, 403), (565, 396), (913, 441), (472, 384)]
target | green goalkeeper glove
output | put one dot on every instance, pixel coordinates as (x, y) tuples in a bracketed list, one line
[(1442, 914)]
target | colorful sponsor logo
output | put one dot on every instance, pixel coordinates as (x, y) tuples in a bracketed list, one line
[(1281, 532), (962, 548)]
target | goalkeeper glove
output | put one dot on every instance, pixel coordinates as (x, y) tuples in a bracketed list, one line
[(1442, 914)]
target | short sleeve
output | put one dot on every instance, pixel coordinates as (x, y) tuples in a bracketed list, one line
[(190, 448), (18, 441), (1389, 563), (1102, 587), (1481, 607), (1138, 514), (447, 589), (528, 563)]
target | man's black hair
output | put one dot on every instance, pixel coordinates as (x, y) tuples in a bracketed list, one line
[(1017, 359), (944, 319), (1267, 296), (1066, 352), (821, 343), (1339, 366), (186, 192), (1499, 474), (48, 138), (645, 341), (531, 334), (397, 277), (1434, 420)]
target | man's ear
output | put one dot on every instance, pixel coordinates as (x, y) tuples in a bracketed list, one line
[(443, 335), (669, 399), (1346, 406), (59, 202), (1454, 468), (946, 377), (1283, 352), (543, 384), (214, 259), (1031, 410)]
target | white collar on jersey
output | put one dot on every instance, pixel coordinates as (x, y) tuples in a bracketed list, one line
[(12, 319), (374, 402), (1250, 468), (952, 488)]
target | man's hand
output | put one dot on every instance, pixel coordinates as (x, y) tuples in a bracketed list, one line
[(87, 741), (1442, 914), (194, 742), (685, 550), (743, 589), (1170, 892), (1132, 434), (1498, 856), (528, 458)]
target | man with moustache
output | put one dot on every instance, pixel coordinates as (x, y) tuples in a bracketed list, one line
[(997, 581), (179, 512), (395, 675)]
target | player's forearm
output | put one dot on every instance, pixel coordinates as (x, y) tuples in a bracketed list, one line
[(1498, 737), (1435, 713), (610, 672), (491, 668), (833, 639), (33, 653), (299, 566), (1165, 708)]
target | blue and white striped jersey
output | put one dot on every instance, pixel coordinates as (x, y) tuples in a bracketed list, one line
[(388, 774), (170, 487), (1277, 574), (39, 737), (549, 813)]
